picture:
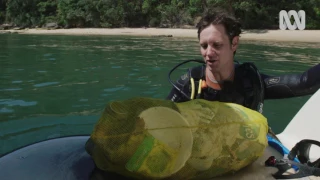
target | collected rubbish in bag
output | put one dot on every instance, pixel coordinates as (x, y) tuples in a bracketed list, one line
[(148, 138)]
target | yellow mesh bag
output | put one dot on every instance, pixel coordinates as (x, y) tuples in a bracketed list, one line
[(149, 138)]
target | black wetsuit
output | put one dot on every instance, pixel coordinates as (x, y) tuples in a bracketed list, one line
[(250, 88)]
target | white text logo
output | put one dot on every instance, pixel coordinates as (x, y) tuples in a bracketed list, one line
[(299, 20)]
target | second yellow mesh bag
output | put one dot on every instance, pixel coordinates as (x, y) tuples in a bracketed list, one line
[(149, 138)]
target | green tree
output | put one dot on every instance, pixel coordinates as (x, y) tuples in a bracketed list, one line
[(175, 13), (112, 13), (254, 14), (71, 13), (48, 11), (23, 13), (3, 6)]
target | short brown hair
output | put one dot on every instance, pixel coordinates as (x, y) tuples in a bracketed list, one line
[(223, 17)]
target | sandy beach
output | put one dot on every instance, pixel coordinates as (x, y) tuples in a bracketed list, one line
[(263, 35)]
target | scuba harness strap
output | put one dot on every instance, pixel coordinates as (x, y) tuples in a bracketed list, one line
[(252, 86)]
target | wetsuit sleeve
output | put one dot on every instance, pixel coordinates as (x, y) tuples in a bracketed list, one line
[(293, 85), (175, 95)]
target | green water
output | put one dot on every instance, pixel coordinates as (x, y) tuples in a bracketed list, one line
[(53, 86)]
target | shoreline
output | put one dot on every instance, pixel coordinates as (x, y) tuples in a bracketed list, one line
[(262, 35)]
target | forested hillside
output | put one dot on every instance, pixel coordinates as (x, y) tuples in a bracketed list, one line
[(254, 14)]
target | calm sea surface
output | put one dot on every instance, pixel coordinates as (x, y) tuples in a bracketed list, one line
[(53, 86)]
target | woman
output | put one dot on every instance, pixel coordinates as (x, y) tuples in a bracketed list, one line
[(220, 79)]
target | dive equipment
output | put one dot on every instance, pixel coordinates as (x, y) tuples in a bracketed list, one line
[(191, 79), (252, 84)]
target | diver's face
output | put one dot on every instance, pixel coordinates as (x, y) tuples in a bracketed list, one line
[(216, 48)]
